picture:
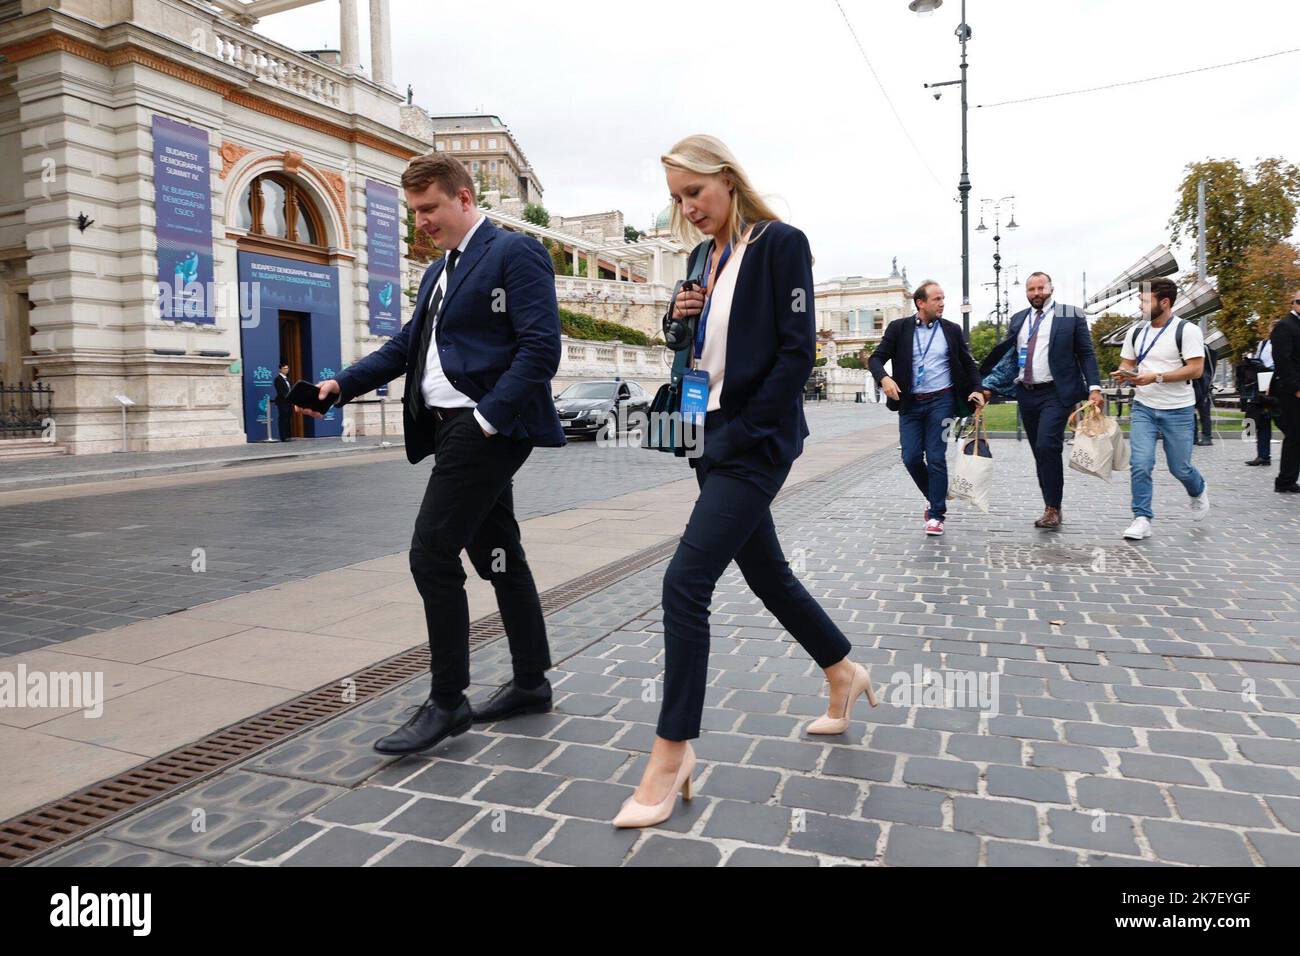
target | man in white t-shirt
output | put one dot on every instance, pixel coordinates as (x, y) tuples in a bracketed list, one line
[(1163, 368)]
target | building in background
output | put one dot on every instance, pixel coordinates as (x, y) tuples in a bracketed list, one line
[(484, 144), (852, 311), (161, 162)]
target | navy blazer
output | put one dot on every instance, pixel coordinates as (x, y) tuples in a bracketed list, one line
[(771, 348), (498, 337), (896, 347), (1070, 356)]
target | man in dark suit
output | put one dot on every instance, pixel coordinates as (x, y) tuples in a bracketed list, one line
[(932, 369), (1285, 387), (282, 404), (1048, 365), (479, 354)]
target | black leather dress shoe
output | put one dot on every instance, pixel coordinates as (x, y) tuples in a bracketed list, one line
[(429, 726), (1202, 441), (1288, 490), (1256, 462), (510, 701)]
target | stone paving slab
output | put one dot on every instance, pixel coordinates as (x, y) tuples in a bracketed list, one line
[(1145, 706)]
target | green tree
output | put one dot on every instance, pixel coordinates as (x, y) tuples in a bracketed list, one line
[(536, 214), (1246, 211), (1270, 280), (1103, 326), (632, 234), (982, 339)]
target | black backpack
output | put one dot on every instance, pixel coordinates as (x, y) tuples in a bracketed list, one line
[(1206, 374)]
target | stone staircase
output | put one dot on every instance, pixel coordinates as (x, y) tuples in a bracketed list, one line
[(25, 449)]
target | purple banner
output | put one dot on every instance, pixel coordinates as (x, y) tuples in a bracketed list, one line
[(182, 189), (385, 258)]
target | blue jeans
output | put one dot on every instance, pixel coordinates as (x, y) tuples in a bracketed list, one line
[(1177, 427), (921, 430)]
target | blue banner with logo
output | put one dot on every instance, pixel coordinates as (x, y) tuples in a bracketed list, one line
[(304, 293), (182, 190), (383, 247)]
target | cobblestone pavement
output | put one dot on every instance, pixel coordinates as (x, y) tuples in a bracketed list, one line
[(80, 565), (1145, 708)]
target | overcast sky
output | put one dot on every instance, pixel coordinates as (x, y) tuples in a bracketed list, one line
[(596, 92)]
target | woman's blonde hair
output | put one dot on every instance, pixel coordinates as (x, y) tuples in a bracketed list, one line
[(709, 156)]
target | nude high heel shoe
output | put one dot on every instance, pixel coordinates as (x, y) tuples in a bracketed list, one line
[(636, 814), (837, 725)]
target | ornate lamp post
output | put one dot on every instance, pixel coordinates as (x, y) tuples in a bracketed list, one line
[(963, 186)]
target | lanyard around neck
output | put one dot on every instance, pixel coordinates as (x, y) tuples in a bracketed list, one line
[(708, 298), (1143, 352), (916, 337)]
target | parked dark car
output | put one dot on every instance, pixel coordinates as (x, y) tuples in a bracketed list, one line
[(585, 407)]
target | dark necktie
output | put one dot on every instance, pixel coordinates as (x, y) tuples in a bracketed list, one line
[(426, 331), (1029, 348)]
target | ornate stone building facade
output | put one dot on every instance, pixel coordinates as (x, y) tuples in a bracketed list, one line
[(95, 98)]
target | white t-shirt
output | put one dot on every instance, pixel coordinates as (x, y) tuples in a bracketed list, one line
[(1164, 357)]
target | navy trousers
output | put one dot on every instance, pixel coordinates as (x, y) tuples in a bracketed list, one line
[(1044, 416), (732, 520)]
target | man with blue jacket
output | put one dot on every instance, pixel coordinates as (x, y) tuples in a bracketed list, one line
[(478, 354), (1048, 365)]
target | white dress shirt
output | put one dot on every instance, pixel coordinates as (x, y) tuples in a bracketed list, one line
[(1265, 353), (1042, 365), (435, 387), (1042, 369)]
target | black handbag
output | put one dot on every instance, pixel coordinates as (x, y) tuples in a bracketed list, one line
[(664, 432)]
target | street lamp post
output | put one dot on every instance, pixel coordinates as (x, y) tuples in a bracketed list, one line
[(997, 243), (963, 185)]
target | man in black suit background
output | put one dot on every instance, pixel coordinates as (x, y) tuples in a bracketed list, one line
[(1048, 364), (282, 404), (932, 369), (1285, 342)]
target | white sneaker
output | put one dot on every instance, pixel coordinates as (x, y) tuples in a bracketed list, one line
[(1139, 529), (1200, 505)]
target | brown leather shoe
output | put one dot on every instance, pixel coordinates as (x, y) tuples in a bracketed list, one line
[(1051, 518)]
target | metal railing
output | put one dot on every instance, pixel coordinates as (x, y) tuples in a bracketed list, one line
[(24, 409)]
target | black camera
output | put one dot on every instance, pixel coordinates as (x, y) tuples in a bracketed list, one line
[(680, 333)]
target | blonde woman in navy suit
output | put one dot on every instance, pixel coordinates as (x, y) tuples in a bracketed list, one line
[(757, 342)]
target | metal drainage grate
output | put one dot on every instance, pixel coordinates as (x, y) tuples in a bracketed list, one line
[(1120, 560), (48, 827)]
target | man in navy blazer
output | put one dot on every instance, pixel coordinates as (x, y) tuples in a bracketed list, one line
[(1048, 364), (932, 381), (478, 354)]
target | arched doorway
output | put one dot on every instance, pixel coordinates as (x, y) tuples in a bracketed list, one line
[(284, 263)]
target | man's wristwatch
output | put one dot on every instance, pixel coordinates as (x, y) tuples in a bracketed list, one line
[(1160, 378)]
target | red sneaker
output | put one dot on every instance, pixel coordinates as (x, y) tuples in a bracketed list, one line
[(933, 526)]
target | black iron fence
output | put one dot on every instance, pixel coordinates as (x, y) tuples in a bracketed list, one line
[(23, 409)]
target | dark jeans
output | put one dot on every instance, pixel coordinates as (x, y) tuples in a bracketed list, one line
[(731, 520), (1264, 437), (469, 506), (1205, 411), (1044, 416), (923, 430), (1289, 419)]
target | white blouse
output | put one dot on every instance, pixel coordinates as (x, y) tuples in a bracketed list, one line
[(714, 357)]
